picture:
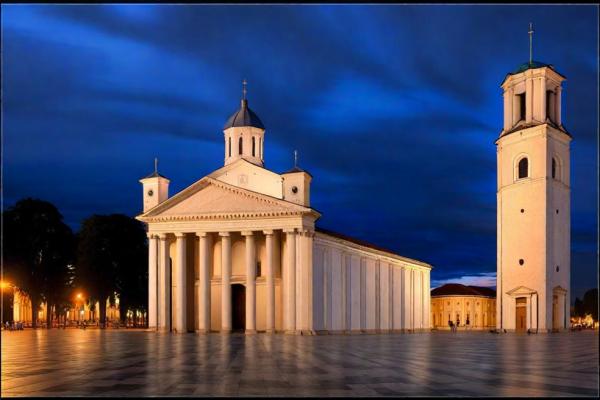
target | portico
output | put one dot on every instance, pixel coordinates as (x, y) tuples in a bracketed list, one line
[(191, 271)]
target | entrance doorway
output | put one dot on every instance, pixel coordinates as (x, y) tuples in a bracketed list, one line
[(521, 315), (555, 322), (238, 307)]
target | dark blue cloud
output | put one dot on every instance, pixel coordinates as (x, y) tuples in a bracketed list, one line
[(394, 110)]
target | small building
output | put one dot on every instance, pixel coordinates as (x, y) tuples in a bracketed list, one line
[(472, 307), (81, 311)]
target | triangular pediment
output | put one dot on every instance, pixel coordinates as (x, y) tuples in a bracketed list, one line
[(246, 175), (559, 290), (211, 198), (520, 291)]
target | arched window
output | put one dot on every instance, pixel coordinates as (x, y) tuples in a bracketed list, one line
[(260, 149), (230, 147), (553, 168), (523, 168), (253, 146), (241, 147)]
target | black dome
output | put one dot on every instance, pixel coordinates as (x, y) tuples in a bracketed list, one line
[(244, 117)]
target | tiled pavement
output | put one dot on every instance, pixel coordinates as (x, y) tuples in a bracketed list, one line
[(137, 363)]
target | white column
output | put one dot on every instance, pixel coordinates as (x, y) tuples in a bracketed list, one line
[(181, 283), (164, 309), (543, 99), (304, 300), (558, 105), (506, 100), (152, 281), (204, 292), (290, 296), (250, 283), (270, 283), (528, 99), (225, 282), (299, 303)]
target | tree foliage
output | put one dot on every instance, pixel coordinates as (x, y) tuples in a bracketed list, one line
[(38, 252), (112, 258), (590, 303), (578, 310)]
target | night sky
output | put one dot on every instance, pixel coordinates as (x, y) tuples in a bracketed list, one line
[(393, 109)]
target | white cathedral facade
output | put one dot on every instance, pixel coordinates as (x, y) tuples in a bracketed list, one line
[(238, 250)]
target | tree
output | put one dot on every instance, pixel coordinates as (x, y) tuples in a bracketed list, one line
[(133, 280), (38, 252), (110, 251), (578, 310), (590, 303)]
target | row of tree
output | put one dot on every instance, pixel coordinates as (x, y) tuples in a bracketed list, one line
[(46, 260), (587, 306)]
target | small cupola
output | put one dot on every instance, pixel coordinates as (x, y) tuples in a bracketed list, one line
[(244, 134), (296, 184), (155, 188)]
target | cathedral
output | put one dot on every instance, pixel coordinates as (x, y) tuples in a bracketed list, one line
[(533, 200), (238, 250)]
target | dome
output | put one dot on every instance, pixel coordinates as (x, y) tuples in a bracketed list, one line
[(456, 289), (244, 117), (531, 65)]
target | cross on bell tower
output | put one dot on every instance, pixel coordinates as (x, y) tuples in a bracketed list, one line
[(530, 43)]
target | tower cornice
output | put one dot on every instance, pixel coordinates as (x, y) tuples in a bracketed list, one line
[(560, 132)]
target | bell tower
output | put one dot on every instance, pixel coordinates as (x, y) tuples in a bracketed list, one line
[(155, 188), (244, 134), (533, 202)]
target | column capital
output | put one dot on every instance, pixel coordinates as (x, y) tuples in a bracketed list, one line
[(247, 233), (289, 230), (307, 232), (162, 236), (179, 234), (202, 234), (224, 234), (151, 235), (268, 232)]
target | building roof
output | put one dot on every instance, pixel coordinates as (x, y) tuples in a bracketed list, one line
[(369, 245), (523, 125), (456, 289), (155, 174), (296, 169), (244, 117), (531, 65), (353, 240)]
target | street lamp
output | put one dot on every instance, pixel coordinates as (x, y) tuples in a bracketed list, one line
[(78, 297), (4, 284)]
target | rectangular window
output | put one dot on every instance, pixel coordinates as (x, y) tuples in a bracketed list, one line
[(258, 272), (521, 103), (549, 105)]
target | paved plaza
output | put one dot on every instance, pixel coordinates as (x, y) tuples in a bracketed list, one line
[(138, 363)]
